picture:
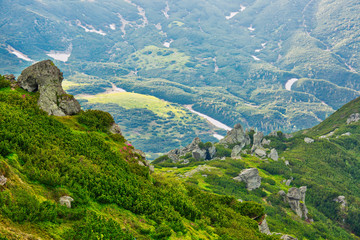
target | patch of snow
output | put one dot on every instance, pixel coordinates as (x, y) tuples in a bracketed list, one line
[(112, 26), (167, 44), (62, 56), (218, 136), (19, 54), (232, 14), (289, 83), (143, 14), (166, 11), (242, 8), (255, 58), (214, 122), (251, 29), (258, 50), (89, 28), (124, 23), (158, 26), (263, 44), (216, 67)]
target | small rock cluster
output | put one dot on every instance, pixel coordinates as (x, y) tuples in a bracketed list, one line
[(355, 117)]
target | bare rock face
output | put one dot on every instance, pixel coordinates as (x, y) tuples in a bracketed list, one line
[(251, 177), (273, 155), (355, 117), (66, 200), (264, 228), (236, 136), (296, 199), (46, 78)]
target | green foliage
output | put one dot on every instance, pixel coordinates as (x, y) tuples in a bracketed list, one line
[(96, 120), (222, 151), (204, 146), (4, 83)]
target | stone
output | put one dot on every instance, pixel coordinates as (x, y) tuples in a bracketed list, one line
[(273, 134), (296, 199), (3, 180), (46, 78), (236, 152), (308, 140), (346, 134), (342, 201), (251, 177), (273, 154), (141, 163), (287, 135), (287, 237), (355, 117), (258, 137), (265, 142), (260, 152), (141, 154), (115, 129), (211, 152), (263, 227), (236, 136), (151, 168), (287, 163), (199, 154), (10, 77), (288, 182), (66, 200)]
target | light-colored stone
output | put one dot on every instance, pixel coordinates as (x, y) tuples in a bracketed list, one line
[(236, 136), (287, 237), (46, 78), (236, 152), (308, 140), (265, 142), (115, 129), (264, 228), (342, 201), (66, 200), (355, 117), (3, 180), (288, 182), (296, 199), (251, 177), (273, 154), (287, 163), (199, 154), (258, 137), (260, 152)]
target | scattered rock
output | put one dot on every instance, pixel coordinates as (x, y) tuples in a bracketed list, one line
[(342, 201), (355, 117), (288, 237), (263, 227), (10, 77), (251, 177), (115, 129), (260, 152), (327, 135), (273, 154), (3, 180), (266, 142), (236, 152), (46, 78), (296, 199), (66, 200), (308, 140), (236, 136)]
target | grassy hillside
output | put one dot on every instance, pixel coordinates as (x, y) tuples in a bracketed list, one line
[(115, 197)]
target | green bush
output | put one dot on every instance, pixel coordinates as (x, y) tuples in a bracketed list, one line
[(4, 83), (96, 120)]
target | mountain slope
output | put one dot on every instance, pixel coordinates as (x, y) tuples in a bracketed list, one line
[(75, 159), (233, 61)]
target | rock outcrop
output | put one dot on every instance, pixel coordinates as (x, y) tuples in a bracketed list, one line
[(308, 140), (236, 152), (355, 117), (66, 200), (296, 199), (273, 154), (251, 177), (263, 227), (3, 180), (257, 140), (115, 129), (342, 201), (46, 78), (236, 136), (207, 152)]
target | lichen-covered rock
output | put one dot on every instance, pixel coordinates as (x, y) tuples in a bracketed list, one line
[(199, 154), (46, 78), (264, 228), (308, 140), (115, 129), (251, 177), (3, 180), (236, 152), (355, 117), (273, 154), (296, 199), (260, 152), (66, 200), (236, 136)]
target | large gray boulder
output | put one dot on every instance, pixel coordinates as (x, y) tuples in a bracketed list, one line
[(296, 199), (273, 154), (236, 136), (199, 154), (260, 152), (46, 78), (258, 137), (251, 177)]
